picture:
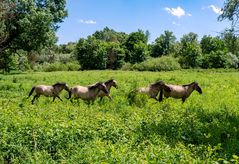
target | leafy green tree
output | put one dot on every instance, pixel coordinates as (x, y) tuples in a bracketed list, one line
[(29, 24), (163, 45), (190, 51), (110, 35), (115, 55), (209, 44), (230, 12), (91, 53), (231, 41), (66, 48), (216, 59), (136, 47)]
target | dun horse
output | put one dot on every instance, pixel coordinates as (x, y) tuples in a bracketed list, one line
[(179, 91), (88, 93), (108, 85), (152, 90), (49, 91)]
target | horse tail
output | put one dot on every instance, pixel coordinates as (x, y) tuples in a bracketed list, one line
[(33, 88)]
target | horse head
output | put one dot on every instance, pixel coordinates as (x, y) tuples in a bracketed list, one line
[(111, 82), (197, 87), (114, 84)]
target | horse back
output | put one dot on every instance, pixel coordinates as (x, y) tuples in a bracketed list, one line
[(44, 90), (177, 91)]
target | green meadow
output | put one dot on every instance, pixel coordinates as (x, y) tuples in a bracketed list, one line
[(204, 129)]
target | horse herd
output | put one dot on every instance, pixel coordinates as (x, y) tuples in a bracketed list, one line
[(91, 92)]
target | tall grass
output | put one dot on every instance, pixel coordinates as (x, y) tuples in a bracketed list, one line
[(202, 130)]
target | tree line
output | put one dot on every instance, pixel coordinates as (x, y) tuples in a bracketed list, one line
[(28, 41)]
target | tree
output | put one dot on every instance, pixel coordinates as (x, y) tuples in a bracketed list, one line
[(190, 51), (231, 41), (29, 24), (110, 35), (163, 45), (136, 47), (91, 53), (230, 11), (209, 44), (115, 55)]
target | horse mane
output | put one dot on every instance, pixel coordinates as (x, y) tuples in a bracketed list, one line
[(59, 83), (157, 83), (109, 81), (94, 86), (185, 85)]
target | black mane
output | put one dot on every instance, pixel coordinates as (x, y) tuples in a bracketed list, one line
[(185, 85), (95, 85), (109, 81), (59, 84)]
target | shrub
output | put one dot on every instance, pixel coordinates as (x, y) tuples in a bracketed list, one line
[(71, 66), (127, 67), (165, 63), (219, 59)]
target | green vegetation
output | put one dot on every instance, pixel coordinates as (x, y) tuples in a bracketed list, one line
[(202, 130)]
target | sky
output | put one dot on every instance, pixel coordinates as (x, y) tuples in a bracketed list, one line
[(179, 16)]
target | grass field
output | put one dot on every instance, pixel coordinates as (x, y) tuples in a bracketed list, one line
[(204, 129)]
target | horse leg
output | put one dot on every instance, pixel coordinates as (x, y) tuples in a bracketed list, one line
[(183, 99), (109, 97), (35, 97), (59, 97), (160, 96)]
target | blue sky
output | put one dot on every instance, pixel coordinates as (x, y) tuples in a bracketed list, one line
[(178, 16)]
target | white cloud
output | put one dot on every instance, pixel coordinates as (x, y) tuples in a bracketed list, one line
[(216, 9), (178, 12), (87, 21)]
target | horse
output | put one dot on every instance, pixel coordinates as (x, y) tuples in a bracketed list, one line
[(48, 91), (108, 84), (179, 91), (151, 90), (88, 93)]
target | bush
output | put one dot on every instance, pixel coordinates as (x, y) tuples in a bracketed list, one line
[(71, 66), (219, 59), (127, 67), (165, 63)]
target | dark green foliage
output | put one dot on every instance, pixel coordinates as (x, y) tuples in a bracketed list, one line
[(163, 45), (110, 35), (136, 47), (190, 51), (212, 44), (32, 24), (29, 25), (218, 59), (7, 62), (66, 48), (115, 55), (91, 53)]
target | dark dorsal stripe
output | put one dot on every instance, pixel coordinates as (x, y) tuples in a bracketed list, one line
[(95, 86), (59, 84), (193, 83)]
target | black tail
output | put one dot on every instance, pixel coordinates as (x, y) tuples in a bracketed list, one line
[(33, 88)]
